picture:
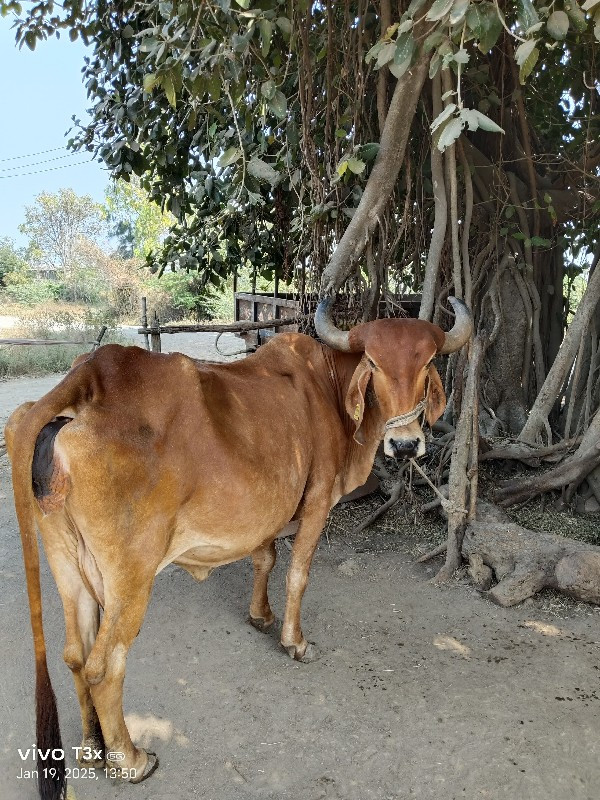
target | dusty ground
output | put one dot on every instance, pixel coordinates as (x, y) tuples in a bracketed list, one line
[(420, 693)]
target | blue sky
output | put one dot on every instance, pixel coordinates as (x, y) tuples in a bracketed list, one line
[(39, 93)]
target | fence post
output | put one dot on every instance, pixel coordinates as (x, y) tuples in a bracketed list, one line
[(155, 345), (100, 337), (145, 322)]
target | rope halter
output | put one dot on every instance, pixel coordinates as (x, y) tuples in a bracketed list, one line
[(410, 416), (406, 419)]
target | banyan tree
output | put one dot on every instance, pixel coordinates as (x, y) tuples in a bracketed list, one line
[(379, 149)]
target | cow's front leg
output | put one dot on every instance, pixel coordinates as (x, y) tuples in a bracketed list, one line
[(263, 559), (305, 543)]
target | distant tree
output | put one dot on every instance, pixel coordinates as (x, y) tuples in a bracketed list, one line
[(57, 223), (135, 221), (11, 259)]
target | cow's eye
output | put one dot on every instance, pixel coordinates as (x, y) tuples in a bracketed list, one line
[(371, 363)]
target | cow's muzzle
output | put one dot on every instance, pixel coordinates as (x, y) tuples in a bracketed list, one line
[(407, 443), (404, 448)]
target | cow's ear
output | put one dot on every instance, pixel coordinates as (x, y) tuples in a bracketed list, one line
[(436, 399), (355, 396)]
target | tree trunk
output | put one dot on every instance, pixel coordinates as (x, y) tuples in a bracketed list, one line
[(382, 179), (538, 416)]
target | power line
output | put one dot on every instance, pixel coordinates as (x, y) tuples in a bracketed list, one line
[(50, 169), (31, 155), (37, 163)]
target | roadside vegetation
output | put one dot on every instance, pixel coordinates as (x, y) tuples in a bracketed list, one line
[(84, 266)]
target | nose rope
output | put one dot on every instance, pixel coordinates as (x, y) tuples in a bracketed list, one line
[(406, 419)]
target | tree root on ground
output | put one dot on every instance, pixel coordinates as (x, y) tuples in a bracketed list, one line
[(568, 474), (524, 562)]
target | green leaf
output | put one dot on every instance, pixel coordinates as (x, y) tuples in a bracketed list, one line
[(450, 134), (369, 151), (405, 47), (538, 241), (385, 54), (434, 65), (169, 87), (528, 65), (356, 166), (278, 104), (262, 171), (265, 27), (459, 9), (524, 50), (461, 56), (487, 124), (149, 82), (576, 16), (73, 34), (268, 89), (342, 167), (526, 14), (30, 40), (446, 113), (415, 5), (439, 9), (284, 25), (558, 25), (374, 51), (433, 40), (148, 44), (470, 118), (491, 27), (230, 156), (474, 19)]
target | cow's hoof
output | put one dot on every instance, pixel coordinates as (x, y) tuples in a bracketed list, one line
[(94, 749), (261, 624), (307, 655), (151, 766)]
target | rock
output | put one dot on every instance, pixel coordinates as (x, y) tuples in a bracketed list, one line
[(592, 506), (349, 567)]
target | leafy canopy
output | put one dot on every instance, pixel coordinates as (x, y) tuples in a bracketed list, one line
[(255, 122)]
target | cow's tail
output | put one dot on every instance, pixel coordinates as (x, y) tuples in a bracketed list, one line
[(51, 763)]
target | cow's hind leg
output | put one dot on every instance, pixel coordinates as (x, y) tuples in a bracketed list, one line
[(82, 615), (125, 607), (311, 525), (263, 559)]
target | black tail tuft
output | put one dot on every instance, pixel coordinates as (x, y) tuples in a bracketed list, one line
[(52, 783)]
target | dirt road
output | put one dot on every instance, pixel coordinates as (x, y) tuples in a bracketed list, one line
[(420, 692)]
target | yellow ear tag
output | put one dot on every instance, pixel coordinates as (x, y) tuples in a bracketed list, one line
[(357, 412)]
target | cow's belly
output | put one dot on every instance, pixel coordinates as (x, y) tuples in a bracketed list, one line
[(216, 544)]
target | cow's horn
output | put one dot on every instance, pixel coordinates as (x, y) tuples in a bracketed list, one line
[(463, 327), (328, 333)]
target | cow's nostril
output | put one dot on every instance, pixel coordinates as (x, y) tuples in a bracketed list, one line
[(404, 448)]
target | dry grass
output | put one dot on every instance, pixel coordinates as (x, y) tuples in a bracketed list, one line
[(49, 321)]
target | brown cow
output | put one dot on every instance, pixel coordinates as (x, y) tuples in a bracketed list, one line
[(138, 460)]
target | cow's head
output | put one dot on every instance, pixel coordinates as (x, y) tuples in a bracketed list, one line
[(397, 364)]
